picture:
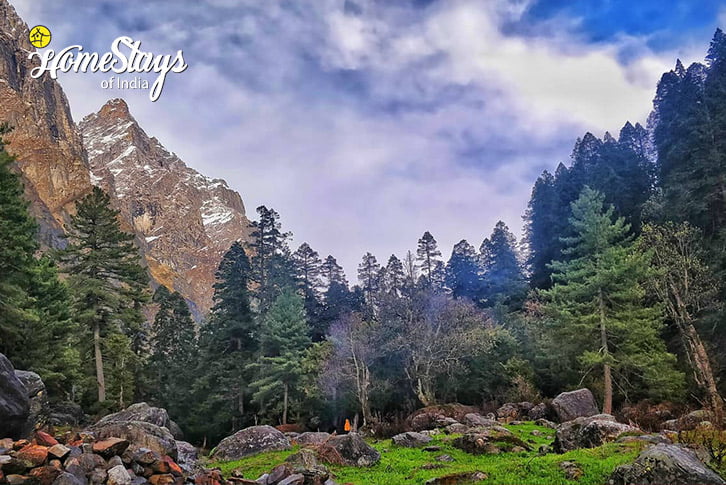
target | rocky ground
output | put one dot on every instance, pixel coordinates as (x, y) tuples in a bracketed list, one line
[(566, 440)]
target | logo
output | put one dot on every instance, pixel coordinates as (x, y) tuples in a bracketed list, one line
[(40, 36), (125, 57)]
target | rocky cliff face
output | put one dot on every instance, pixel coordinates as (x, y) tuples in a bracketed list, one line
[(45, 140), (184, 221)]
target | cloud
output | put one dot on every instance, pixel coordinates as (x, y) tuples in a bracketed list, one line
[(365, 123)]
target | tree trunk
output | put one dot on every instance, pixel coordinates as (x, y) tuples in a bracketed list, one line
[(703, 370), (607, 406), (99, 362), (284, 404)]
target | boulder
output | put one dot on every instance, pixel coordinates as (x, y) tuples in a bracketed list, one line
[(430, 417), (514, 411), (311, 438), (187, 457), (118, 476), (475, 419), (354, 451), (67, 413), (251, 441), (139, 434), (411, 439), (538, 411), (14, 402), (574, 404), (589, 432), (148, 414), (38, 397), (488, 441), (664, 463), (305, 463)]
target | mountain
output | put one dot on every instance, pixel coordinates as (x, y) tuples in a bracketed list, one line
[(50, 153), (184, 221)]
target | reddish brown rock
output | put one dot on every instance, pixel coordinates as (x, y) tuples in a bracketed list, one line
[(164, 479), (45, 475), (33, 455), (43, 438), (110, 447)]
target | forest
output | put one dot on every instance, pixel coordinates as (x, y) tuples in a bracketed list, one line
[(616, 286)]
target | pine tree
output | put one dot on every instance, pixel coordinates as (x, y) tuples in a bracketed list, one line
[(598, 303), (541, 230), (332, 272), (272, 267), (173, 352), (229, 342), (462, 271), (395, 276), (107, 284), (368, 276), (428, 254), (308, 272), (502, 276), (285, 337)]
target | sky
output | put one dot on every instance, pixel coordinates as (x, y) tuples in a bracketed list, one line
[(365, 123)]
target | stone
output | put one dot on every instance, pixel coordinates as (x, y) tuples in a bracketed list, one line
[(571, 469), (90, 461), (118, 476), (538, 411), (66, 413), (59, 451), (77, 472), (296, 479), (146, 456), (139, 434), (311, 438), (251, 441), (488, 440), (43, 438), (147, 414), (465, 478), (14, 402), (18, 480), (32, 455), (428, 417), (589, 432), (514, 411), (39, 405), (411, 439), (474, 419), (114, 461), (306, 464), (652, 439), (354, 451), (110, 447), (65, 478), (278, 474), (664, 463), (574, 404), (187, 457), (44, 475), (445, 458), (165, 479), (457, 428), (431, 449), (545, 423)]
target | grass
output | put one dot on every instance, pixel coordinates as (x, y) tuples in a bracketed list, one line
[(404, 465)]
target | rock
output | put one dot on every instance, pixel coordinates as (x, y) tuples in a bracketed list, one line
[(139, 434), (66, 413), (574, 404), (457, 428), (411, 439), (43, 438), (474, 419), (114, 461), (148, 414), (14, 402), (110, 447), (589, 432), (488, 440), (571, 469), (90, 461), (44, 475), (311, 438), (652, 439), (165, 479), (296, 479), (663, 463), (251, 441), (39, 406), (465, 478), (65, 478), (32, 455), (118, 476), (187, 457), (431, 449), (278, 473), (354, 451), (545, 423), (428, 417), (59, 451), (689, 421), (18, 480), (514, 411), (445, 458), (305, 463), (538, 411)]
